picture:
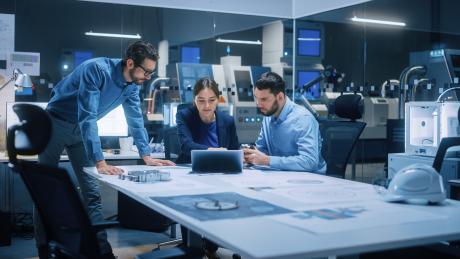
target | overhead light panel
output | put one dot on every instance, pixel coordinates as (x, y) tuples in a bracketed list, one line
[(113, 35), (252, 42), (375, 21)]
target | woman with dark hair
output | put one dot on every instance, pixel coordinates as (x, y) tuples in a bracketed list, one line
[(202, 126)]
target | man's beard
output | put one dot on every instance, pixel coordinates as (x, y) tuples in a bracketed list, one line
[(272, 110), (134, 78)]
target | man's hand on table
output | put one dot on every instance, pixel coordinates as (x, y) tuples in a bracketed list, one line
[(104, 168), (157, 162)]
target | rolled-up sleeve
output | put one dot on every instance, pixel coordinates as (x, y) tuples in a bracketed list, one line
[(308, 157), (88, 99), (135, 121)]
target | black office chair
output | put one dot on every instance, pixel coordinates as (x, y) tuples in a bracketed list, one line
[(171, 138), (69, 232), (340, 137), (171, 141)]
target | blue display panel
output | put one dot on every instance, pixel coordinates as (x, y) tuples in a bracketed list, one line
[(190, 54), (309, 42), (304, 77), (81, 56)]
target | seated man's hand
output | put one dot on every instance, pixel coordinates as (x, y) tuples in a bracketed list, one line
[(104, 168), (255, 157), (152, 161)]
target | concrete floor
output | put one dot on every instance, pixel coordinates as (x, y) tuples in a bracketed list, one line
[(126, 244)]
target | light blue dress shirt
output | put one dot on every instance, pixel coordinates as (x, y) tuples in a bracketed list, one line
[(293, 140), (92, 90)]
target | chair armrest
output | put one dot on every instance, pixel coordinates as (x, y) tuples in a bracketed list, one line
[(98, 226)]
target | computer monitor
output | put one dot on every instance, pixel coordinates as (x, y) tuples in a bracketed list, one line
[(309, 42), (113, 124), (305, 76), (244, 86)]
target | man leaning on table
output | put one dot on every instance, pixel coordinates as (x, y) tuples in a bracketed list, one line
[(92, 90)]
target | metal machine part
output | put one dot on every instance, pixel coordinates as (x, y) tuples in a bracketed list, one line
[(404, 86), (248, 119), (146, 176)]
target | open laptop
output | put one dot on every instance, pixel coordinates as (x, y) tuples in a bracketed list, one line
[(217, 161)]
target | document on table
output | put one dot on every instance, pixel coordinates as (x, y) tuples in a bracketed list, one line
[(354, 216), (325, 194), (259, 179)]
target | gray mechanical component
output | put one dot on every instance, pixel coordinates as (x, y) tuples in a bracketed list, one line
[(146, 176)]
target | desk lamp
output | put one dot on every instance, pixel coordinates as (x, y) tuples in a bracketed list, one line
[(21, 80)]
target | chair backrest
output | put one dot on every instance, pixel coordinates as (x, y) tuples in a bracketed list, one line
[(171, 141), (51, 188), (60, 207), (339, 139)]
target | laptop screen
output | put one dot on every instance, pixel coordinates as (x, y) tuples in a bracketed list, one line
[(217, 161)]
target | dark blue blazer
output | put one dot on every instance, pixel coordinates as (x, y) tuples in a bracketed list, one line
[(188, 129)]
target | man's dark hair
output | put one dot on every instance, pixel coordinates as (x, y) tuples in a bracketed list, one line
[(271, 81), (203, 83), (140, 50)]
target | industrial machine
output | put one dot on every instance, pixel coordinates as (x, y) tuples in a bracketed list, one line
[(186, 75), (248, 120), (427, 123)]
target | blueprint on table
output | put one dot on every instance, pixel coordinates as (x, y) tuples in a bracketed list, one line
[(247, 207)]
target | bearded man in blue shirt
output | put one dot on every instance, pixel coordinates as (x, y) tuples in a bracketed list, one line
[(92, 90), (290, 138)]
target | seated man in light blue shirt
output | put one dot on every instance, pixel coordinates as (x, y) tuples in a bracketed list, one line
[(290, 138)]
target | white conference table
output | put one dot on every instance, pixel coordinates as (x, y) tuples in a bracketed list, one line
[(329, 216)]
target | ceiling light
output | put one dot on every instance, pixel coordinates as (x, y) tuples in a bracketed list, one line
[(113, 35), (365, 20), (253, 42)]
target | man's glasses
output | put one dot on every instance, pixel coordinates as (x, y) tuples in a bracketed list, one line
[(147, 73)]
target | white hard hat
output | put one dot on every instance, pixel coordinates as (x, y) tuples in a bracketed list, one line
[(417, 182)]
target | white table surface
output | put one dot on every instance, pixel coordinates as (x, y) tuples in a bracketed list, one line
[(386, 225), (109, 156)]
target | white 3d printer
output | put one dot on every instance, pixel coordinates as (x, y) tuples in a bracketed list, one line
[(427, 123)]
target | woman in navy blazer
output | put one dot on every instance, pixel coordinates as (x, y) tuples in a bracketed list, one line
[(202, 126)]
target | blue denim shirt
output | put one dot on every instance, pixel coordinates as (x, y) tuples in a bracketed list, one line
[(92, 90), (292, 140)]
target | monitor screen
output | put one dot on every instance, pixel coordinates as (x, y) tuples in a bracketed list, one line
[(203, 71), (190, 54), (309, 42), (304, 77), (113, 124), (455, 61), (244, 86), (257, 72), (187, 70)]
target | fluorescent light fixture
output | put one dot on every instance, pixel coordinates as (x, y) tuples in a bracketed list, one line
[(253, 42), (113, 35), (309, 39), (365, 20)]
